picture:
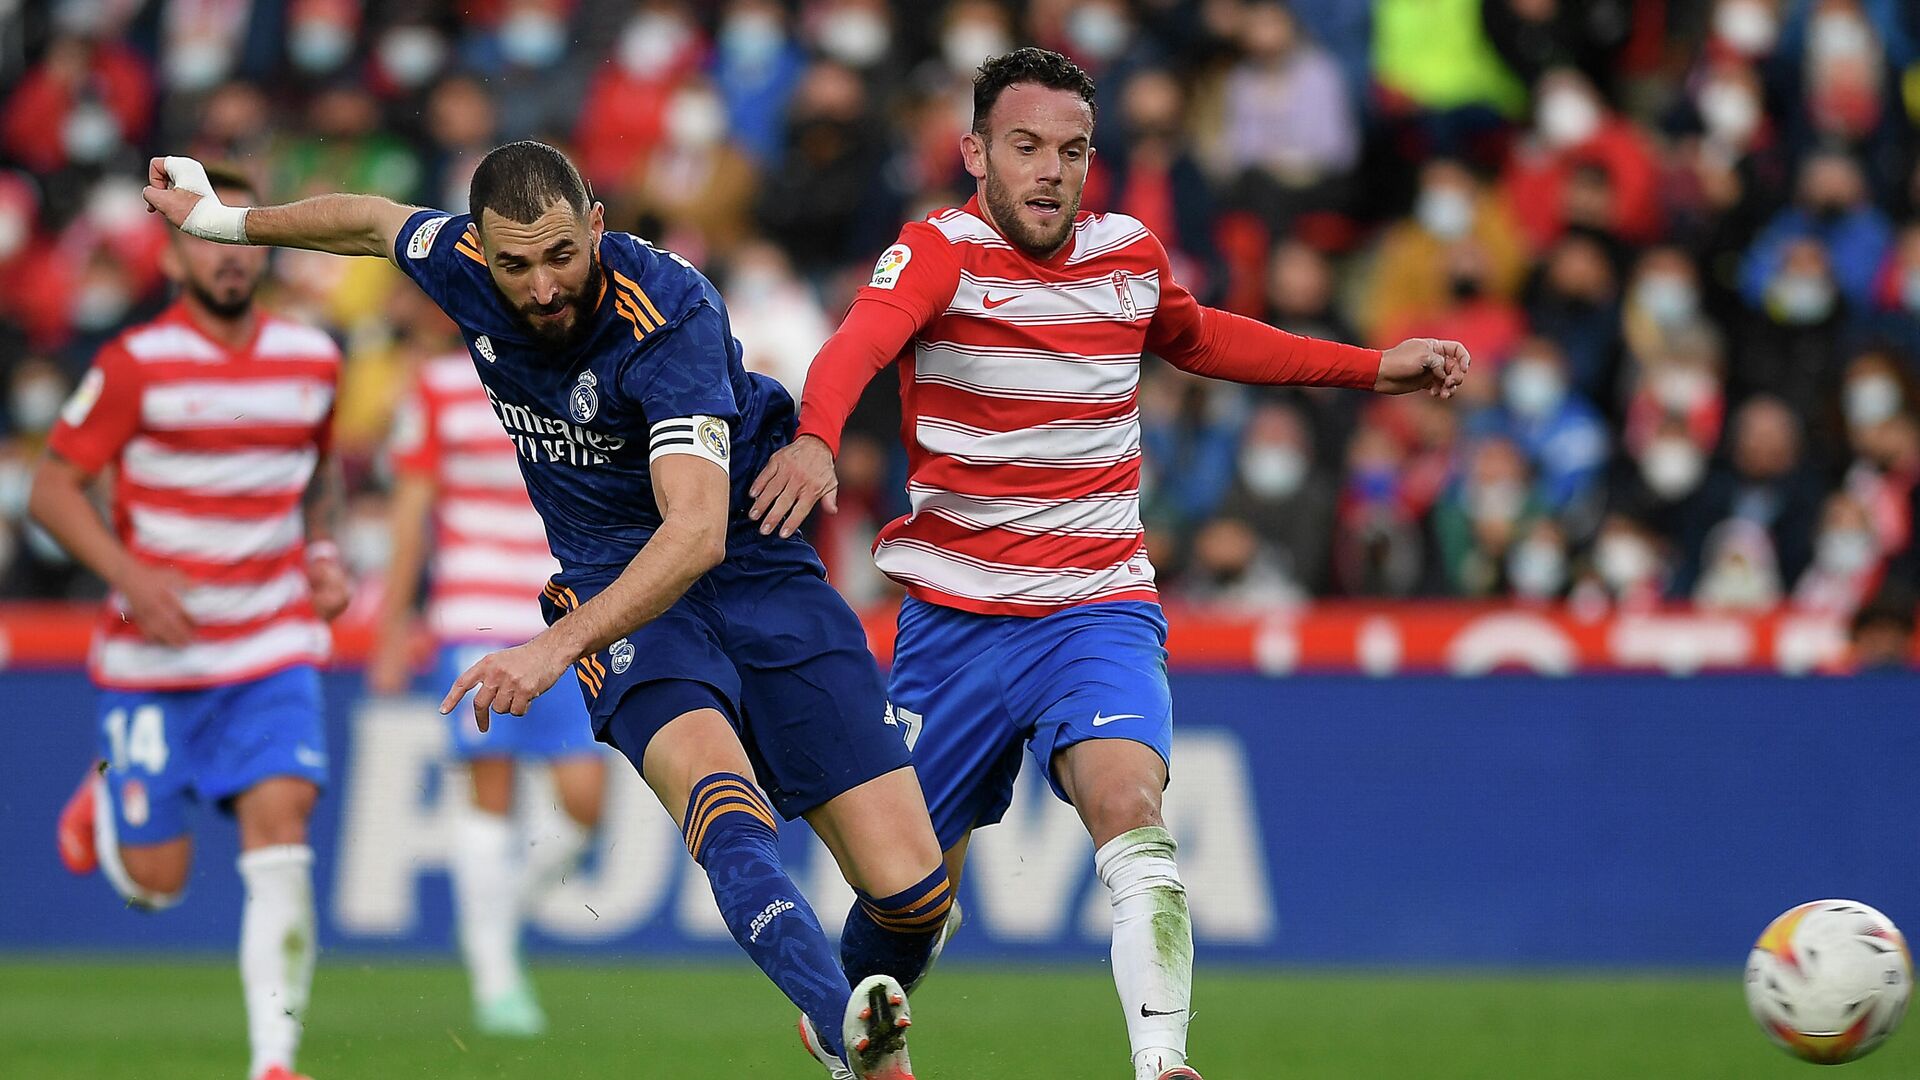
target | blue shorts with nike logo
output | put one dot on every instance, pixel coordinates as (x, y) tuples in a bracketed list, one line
[(973, 688)]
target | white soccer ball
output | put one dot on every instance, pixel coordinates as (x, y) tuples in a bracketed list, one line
[(1829, 981)]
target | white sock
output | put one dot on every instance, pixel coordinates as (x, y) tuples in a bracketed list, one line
[(1152, 945), (486, 904), (276, 949), (554, 844)]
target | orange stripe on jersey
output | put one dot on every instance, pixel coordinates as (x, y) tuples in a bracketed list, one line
[(646, 301), (623, 304), (587, 676)]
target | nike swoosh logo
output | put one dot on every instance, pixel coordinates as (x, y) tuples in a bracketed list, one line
[(1099, 720), (1146, 1012), (988, 302)]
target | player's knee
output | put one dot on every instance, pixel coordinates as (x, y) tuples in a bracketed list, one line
[(1120, 806), (150, 880)]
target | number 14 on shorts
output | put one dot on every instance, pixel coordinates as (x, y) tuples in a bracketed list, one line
[(137, 737)]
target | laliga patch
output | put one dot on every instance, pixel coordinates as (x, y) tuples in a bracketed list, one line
[(620, 656), (584, 401), (886, 272), (422, 241), (85, 396), (713, 437)]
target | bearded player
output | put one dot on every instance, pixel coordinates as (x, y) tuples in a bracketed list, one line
[(215, 419), (717, 659), (1031, 614)]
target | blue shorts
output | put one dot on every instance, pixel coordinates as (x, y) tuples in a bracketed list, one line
[(166, 749), (555, 725), (973, 688), (773, 648)]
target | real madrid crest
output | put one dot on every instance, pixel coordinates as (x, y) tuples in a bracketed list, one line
[(713, 435), (620, 656), (584, 401)]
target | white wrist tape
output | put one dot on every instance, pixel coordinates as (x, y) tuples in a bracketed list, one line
[(210, 219)]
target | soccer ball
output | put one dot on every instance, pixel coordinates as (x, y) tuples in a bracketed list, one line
[(1829, 981)]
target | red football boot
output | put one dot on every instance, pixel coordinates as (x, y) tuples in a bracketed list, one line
[(75, 833)]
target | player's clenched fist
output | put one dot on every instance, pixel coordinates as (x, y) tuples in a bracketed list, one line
[(798, 476), (507, 680), (178, 189), (1439, 367)]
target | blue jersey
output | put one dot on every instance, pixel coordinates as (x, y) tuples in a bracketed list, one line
[(656, 365)]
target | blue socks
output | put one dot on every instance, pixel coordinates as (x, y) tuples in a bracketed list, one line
[(731, 832), (894, 935)]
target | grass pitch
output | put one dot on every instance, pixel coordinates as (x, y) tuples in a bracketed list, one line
[(172, 1020)]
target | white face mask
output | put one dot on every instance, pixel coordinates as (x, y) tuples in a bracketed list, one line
[(90, 133), (319, 45), (696, 119), (1623, 560), (13, 233), (1534, 388), (1098, 31), (1839, 36), (412, 55), (1273, 471), (196, 65), (1845, 551), (1870, 399), (649, 44), (1683, 389), (1802, 299), (1748, 25), (1501, 501), (36, 404), (1668, 299), (1446, 212), (854, 36), (752, 39), (1672, 467), (99, 305), (1568, 118), (965, 45), (115, 205), (1537, 569), (16, 483), (533, 39), (1730, 111)]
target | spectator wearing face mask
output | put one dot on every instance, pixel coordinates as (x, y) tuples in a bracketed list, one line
[(1409, 274), (776, 317), (1487, 323), (1874, 388), (1788, 346), (1673, 419), (1730, 166), (624, 111), (1575, 128), (756, 65), (1537, 569), (1284, 498), (1560, 432), (89, 95), (1378, 548), (1766, 481), (1846, 57), (1663, 302), (1847, 560), (1833, 207), (521, 52), (696, 190), (1482, 519), (1231, 564), (1627, 566)]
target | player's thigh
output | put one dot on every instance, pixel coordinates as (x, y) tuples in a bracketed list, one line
[(694, 744), (946, 687), (161, 868), (1099, 679), (879, 834), (270, 728), (150, 760)]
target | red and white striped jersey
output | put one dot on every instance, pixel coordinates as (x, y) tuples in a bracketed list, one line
[(1021, 419), (214, 449), (490, 556)]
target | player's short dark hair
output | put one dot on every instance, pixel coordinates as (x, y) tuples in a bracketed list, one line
[(226, 177), (1041, 67), (520, 180)]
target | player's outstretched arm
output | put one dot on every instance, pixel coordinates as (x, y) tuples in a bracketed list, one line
[(178, 189), (693, 493)]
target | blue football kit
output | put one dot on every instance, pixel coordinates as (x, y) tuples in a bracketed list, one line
[(762, 638)]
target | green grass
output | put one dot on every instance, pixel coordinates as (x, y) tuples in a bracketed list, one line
[(175, 1021)]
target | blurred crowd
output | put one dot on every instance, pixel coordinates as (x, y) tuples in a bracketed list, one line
[(1680, 237)]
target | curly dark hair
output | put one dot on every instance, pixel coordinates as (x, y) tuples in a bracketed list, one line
[(1042, 67), (520, 180)]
